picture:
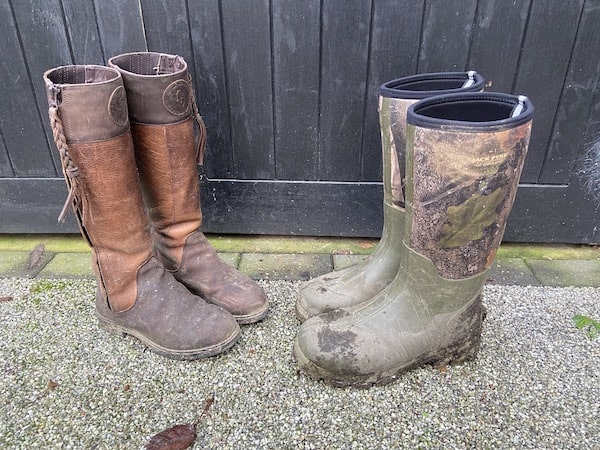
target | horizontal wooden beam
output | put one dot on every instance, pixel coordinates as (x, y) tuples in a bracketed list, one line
[(542, 213)]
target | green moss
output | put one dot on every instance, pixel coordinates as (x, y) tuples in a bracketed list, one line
[(47, 285), (548, 252), (292, 244), (52, 243)]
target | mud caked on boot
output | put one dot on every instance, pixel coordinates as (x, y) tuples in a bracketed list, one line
[(358, 284), (464, 157), (136, 295), (162, 111)]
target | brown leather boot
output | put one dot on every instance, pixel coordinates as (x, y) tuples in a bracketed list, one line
[(136, 295), (162, 111)]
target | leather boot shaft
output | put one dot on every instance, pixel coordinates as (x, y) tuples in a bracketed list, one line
[(163, 110), (158, 87), (160, 99), (91, 100), (97, 155)]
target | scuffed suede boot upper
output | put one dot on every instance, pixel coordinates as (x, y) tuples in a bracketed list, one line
[(162, 112), (136, 295)]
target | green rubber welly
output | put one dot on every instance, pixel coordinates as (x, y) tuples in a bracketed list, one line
[(464, 157), (358, 284)]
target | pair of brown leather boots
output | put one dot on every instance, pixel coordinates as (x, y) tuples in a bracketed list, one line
[(125, 134)]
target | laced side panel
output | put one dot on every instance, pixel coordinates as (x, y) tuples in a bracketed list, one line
[(70, 171)]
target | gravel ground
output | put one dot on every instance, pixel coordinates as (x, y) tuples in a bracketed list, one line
[(65, 383)]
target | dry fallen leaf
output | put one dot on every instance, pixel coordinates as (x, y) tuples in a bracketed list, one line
[(36, 255), (366, 245), (6, 299), (178, 437), (51, 385)]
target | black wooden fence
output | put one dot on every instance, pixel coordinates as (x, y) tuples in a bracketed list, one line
[(289, 88)]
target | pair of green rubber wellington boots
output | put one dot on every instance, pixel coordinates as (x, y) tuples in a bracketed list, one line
[(452, 158)]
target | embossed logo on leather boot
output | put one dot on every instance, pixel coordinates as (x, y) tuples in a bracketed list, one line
[(117, 107), (176, 98)]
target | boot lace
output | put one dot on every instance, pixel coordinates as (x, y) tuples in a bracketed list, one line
[(201, 144), (70, 170)]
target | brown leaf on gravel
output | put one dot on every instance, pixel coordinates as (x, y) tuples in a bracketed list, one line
[(178, 437), (6, 299), (51, 385), (342, 252), (36, 255)]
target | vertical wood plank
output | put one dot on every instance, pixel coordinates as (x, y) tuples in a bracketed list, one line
[(496, 44), (167, 28), (247, 43), (551, 30), (344, 56), (586, 173), (576, 100), (296, 87), (446, 35), (171, 26), (121, 26), (211, 92), (25, 118), (6, 170), (393, 54), (82, 29)]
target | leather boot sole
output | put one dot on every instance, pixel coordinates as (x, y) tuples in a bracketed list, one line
[(252, 318), (197, 353)]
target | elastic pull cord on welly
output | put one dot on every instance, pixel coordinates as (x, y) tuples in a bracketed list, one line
[(470, 81), (518, 109)]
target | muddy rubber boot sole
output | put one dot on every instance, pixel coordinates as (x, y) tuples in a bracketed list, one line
[(464, 348)]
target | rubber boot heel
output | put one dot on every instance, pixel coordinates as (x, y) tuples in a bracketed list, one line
[(469, 327)]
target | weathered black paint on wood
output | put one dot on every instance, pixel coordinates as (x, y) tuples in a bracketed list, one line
[(296, 27), (344, 61), (289, 94), (576, 99), (206, 34), (21, 119), (542, 71), (247, 43), (496, 41), (446, 35), (308, 208), (392, 55)]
